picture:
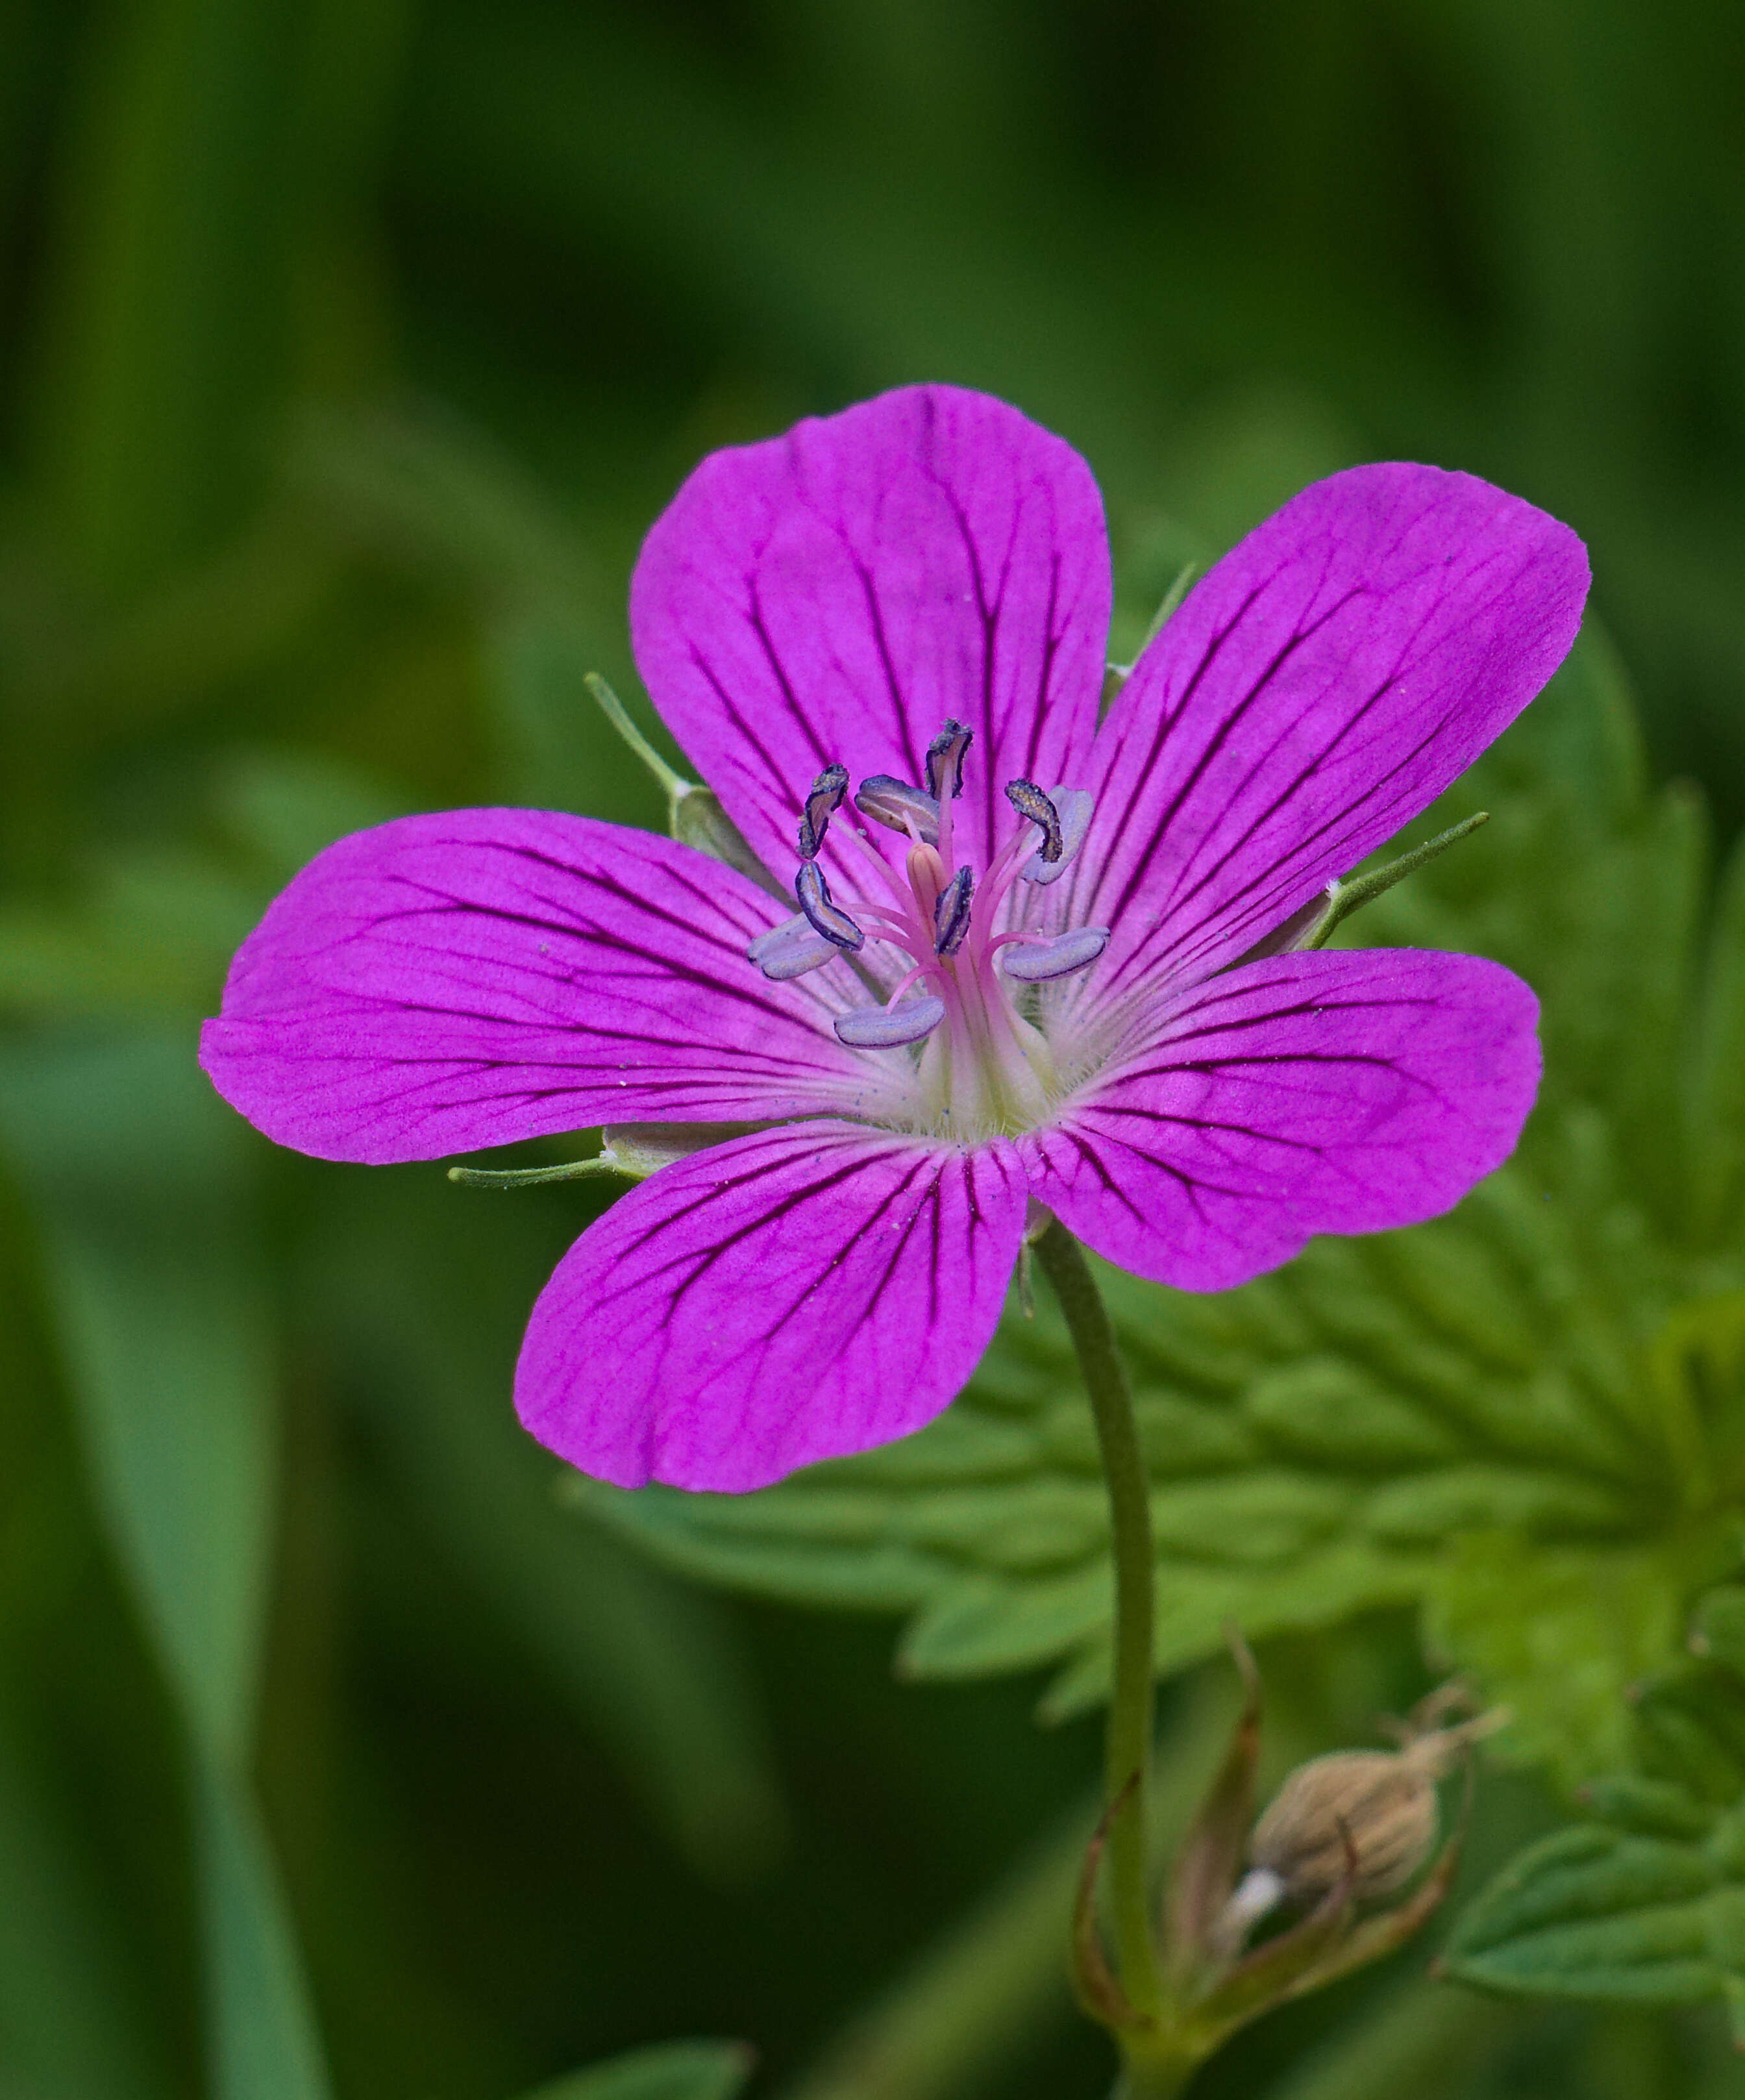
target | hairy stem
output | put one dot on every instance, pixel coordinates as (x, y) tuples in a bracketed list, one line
[(1128, 1758)]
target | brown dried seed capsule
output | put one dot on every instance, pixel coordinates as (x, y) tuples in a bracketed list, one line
[(1386, 1802), (1380, 1805)]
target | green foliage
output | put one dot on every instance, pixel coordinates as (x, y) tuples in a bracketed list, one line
[(261, 2035), (68, 2027), (157, 1280), (1524, 1417), (1644, 1904), (674, 2071), (347, 348)]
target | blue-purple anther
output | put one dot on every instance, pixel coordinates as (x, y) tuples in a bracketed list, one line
[(951, 912), (822, 803), (944, 760), (899, 807), (825, 918), (972, 957), (1029, 800)]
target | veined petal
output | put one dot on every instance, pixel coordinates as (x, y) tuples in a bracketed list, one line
[(441, 983), (1322, 685), (1341, 1091), (837, 592), (788, 1297)]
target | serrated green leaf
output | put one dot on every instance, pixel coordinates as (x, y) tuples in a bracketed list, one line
[(1598, 1913), (1690, 1729), (1647, 1904), (671, 2071)]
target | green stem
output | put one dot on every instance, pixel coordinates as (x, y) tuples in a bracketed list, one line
[(1128, 1755), (1161, 2080)]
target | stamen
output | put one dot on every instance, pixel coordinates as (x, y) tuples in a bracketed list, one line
[(1072, 806), (824, 917), (892, 802), (951, 913), (823, 800), (879, 1028), (1055, 955), (1029, 800), (790, 949), (945, 759)]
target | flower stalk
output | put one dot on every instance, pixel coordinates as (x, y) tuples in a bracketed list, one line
[(1127, 1765), (1345, 1830)]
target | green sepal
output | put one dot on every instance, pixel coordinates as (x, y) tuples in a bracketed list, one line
[(532, 1177), (633, 1152), (1345, 898), (1209, 1856), (1276, 1968), (694, 815)]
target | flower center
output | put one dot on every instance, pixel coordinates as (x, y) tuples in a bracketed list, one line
[(959, 959)]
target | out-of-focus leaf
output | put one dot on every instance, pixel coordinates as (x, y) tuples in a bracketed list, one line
[(421, 485), (1717, 1105), (263, 2042), (153, 934), (173, 330), (152, 931), (1421, 2039), (671, 2071), (70, 2029), (557, 752), (285, 806), (433, 1304), (139, 1177), (1556, 1634), (1534, 1401), (578, 117), (1717, 1627), (1646, 1903)]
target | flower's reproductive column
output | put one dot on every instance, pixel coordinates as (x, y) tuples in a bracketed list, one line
[(987, 1066)]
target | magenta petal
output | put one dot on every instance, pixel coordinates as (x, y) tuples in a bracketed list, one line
[(1338, 1092), (784, 1297), (1319, 687), (441, 983), (836, 593)]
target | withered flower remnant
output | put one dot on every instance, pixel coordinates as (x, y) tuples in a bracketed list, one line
[(1344, 1834)]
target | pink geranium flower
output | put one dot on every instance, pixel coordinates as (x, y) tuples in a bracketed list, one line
[(1036, 959)]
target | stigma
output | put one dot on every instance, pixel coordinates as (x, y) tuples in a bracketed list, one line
[(959, 959)]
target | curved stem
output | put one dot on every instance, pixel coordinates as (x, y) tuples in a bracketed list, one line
[(1129, 1714)]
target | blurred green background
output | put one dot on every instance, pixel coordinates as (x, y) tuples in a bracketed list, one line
[(347, 347)]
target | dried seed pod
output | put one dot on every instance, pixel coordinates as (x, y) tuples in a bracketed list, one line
[(1386, 1801), (1371, 1815)]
